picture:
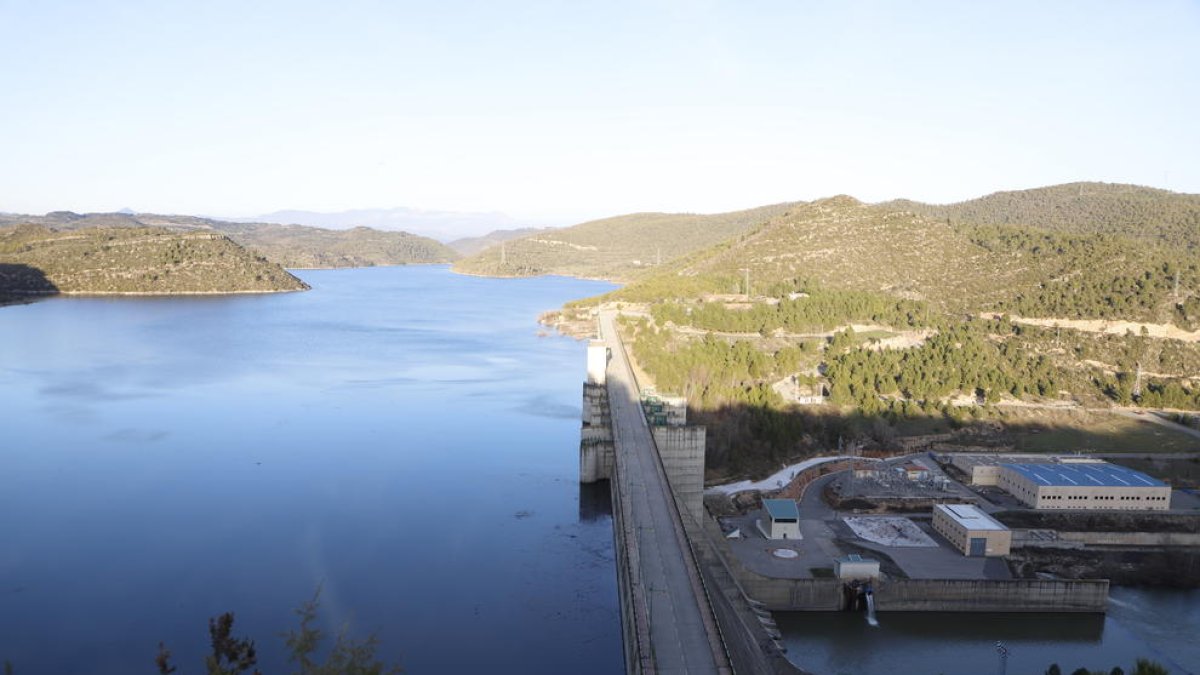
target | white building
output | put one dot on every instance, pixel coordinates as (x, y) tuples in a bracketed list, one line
[(971, 531), (783, 519), (855, 566)]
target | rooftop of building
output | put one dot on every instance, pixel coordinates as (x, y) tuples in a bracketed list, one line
[(970, 517), (1084, 475), (782, 509), (856, 558)]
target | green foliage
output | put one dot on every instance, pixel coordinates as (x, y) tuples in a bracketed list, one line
[(1096, 277), (346, 657), (819, 310), (1148, 667), (1149, 214), (231, 655), (957, 360), (710, 372)]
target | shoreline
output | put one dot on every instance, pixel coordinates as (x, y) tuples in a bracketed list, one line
[(50, 294)]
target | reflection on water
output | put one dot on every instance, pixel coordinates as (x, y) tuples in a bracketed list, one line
[(595, 502), (400, 435)]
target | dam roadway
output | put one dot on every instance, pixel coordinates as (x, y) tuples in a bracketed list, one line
[(674, 628)]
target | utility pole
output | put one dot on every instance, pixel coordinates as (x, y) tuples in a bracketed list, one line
[(747, 287), (1137, 381), (1176, 286)]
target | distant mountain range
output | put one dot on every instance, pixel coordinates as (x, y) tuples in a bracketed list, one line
[(441, 225)]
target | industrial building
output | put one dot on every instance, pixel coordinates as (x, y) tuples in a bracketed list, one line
[(1089, 486), (985, 469), (971, 531), (783, 519)]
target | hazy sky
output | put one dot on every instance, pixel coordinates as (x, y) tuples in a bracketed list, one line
[(560, 111)]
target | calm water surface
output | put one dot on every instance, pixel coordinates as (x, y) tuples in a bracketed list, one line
[(1162, 625), (401, 437)]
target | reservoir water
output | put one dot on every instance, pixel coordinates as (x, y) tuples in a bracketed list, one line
[(400, 437), (1161, 625)]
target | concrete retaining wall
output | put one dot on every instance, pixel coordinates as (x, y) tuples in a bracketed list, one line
[(1132, 538), (796, 487), (969, 595)]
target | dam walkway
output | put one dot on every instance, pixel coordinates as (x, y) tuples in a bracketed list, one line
[(673, 625)]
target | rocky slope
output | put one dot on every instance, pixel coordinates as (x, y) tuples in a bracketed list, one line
[(132, 260)]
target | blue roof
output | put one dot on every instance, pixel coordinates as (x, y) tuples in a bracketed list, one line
[(1084, 475), (782, 509)]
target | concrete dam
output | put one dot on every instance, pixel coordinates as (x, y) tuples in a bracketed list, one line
[(681, 609)]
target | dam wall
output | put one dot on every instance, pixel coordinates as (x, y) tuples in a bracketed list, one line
[(682, 451), (596, 449)]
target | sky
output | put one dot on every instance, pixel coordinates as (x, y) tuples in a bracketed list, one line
[(555, 112)]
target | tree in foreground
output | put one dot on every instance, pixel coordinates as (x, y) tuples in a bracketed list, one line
[(235, 656)]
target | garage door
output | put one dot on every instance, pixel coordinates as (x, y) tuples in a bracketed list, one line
[(978, 547)]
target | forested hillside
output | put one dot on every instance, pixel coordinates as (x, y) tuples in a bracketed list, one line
[(843, 244), (299, 246), (897, 323), (1130, 211), (289, 245), (620, 248)]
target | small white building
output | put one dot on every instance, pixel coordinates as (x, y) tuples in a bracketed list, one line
[(855, 566), (782, 521)]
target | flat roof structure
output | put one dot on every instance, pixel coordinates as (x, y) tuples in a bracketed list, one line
[(971, 531), (783, 510), (1084, 475), (970, 517)]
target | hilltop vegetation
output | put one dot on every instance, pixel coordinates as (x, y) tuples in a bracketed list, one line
[(299, 246), (295, 246), (113, 260), (843, 244), (620, 248), (471, 245), (1130, 211)]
